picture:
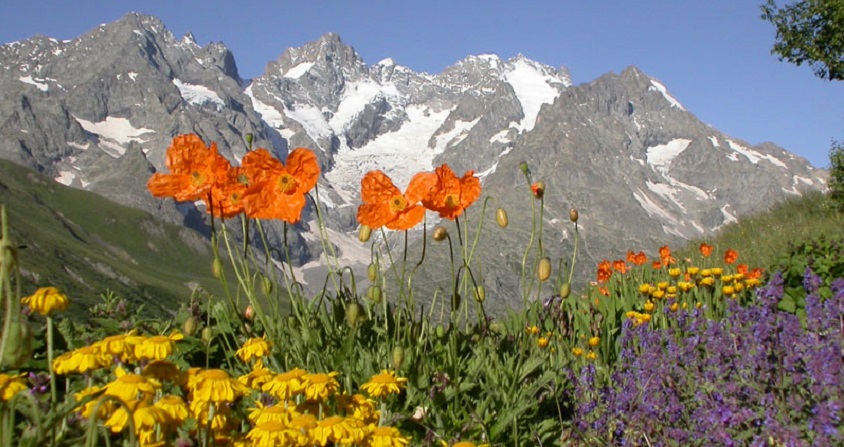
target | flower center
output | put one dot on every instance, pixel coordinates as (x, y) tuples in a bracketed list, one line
[(398, 204), (452, 201), (197, 178), (286, 183)]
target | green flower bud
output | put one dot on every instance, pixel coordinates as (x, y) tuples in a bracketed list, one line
[(364, 233), (480, 293), (398, 357), (374, 294), (217, 268), (543, 270), (565, 290), (372, 272), (190, 326), (440, 233), (352, 314), (206, 335), (501, 218)]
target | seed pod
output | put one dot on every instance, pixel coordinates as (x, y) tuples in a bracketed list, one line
[(543, 270), (352, 314), (565, 290), (364, 233), (573, 215), (480, 293), (206, 335), (190, 325), (398, 357), (440, 233), (501, 218), (375, 294), (372, 272), (217, 268)]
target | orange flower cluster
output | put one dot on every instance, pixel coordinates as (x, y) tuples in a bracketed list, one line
[(440, 191), (262, 187)]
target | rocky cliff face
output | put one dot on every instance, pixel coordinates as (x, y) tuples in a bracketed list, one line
[(99, 111)]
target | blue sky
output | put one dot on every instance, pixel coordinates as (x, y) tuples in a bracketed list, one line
[(714, 55)]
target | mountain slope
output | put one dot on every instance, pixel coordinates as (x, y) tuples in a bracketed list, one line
[(87, 245)]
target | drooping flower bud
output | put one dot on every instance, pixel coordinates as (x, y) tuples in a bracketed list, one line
[(190, 326), (523, 166), (543, 270), (372, 272), (573, 216), (364, 233), (440, 330), (538, 189), (440, 233), (352, 314), (266, 285), (565, 290), (480, 293), (249, 312), (375, 294), (398, 357), (501, 218), (206, 335), (217, 268)]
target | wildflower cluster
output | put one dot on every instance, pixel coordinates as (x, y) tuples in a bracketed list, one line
[(262, 187), (703, 378), (132, 382)]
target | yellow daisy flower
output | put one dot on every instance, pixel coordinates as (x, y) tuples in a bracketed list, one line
[(319, 386), (215, 385), (157, 347), (10, 385), (271, 434), (175, 407), (257, 377), (162, 370), (303, 425), (88, 407), (128, 386), (201, 410), (274, 413), (253, 348), (384, 383), (46, 300), (359, 407), (286, 385), (338, 430), (386, 437), (80, 361)]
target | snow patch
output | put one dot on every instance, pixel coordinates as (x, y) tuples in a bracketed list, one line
[(133, 75), (500, 137), (660, 156), (396, 153), (356, 96), (754, 156), (651, 207), (297, 71), (38, 83), (65, 177), (657, 86), (82, 147), (714, 141), (456, 135), (533, 89), (199, 95), (311, 120), (114, 133), (268, 113)]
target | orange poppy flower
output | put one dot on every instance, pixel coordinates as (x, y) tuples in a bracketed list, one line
[(755, 273), (730, 256), (604, 271), (742, 268), (193, 167), (636, 258), (705, 249), (276, 190), (228, 192), (656, 265), (620, 266), (450, 194), (385, 205)]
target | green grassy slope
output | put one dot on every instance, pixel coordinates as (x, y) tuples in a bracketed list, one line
[(87, 245), (763, 240)]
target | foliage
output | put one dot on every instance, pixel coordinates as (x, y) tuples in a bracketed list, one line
[(818, 260), (836, 174), (810, 31)]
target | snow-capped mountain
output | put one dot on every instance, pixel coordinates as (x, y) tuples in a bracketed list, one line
[(98, 112)]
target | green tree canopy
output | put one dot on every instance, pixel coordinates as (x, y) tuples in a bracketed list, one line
[(810, 31)]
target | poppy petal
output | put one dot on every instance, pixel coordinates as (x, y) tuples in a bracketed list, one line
[(376, 187)]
